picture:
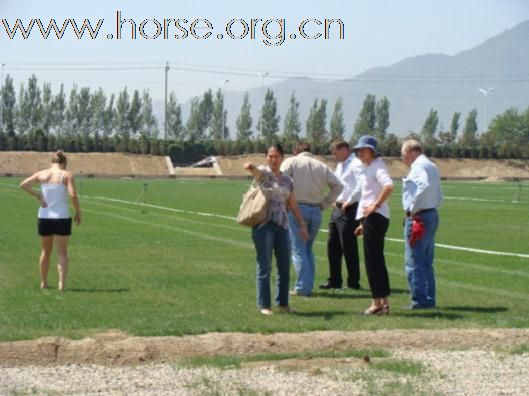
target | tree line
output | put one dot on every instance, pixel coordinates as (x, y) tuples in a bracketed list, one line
[(35, 119)]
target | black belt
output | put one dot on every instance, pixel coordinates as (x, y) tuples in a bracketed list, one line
[(309, 204), (408, 214), (340, 204)]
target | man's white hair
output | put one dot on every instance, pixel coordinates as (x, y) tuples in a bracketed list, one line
[(411, 145)]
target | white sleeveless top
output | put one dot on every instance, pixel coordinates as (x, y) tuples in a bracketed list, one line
[(56, 196)]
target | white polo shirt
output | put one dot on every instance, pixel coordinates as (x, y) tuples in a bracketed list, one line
[(348, 172), (373, 178)]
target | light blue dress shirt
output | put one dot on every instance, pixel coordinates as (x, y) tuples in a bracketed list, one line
[(421, 189)]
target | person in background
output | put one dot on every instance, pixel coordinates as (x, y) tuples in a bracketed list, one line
[(272, 236), (421, 197), (54, 221), (342, 241), (373, 213), (311, 180)]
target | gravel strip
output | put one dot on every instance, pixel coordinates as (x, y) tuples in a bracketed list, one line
[(474, 372), (446, 372), (163, 379)]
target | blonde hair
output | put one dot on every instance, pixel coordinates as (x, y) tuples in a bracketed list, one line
[(59, 158), (411, 145)]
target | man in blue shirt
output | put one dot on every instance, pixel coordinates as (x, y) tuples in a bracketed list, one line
[(421, 197)]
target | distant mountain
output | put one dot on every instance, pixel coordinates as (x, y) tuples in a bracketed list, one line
[(417, 84)]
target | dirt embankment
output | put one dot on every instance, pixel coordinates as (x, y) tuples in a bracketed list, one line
[(392, 362), (121, 164), (117, 348), (450, 168), (98, 164)]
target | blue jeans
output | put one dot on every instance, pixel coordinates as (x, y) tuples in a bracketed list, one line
[(302, 254), (419, 261), (268, 239)]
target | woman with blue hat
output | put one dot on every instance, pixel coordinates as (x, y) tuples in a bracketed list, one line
[(373, 213)]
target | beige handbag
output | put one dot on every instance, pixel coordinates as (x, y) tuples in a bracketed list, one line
[(253, 207)]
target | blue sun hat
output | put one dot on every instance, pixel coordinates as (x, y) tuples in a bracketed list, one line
[(367, 141)]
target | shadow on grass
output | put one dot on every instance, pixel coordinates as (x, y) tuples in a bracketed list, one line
[(340, 295), (326, 315), (352, 294), (78, 290), (427, 314), (439, 314), (484, 310), (400, 291)]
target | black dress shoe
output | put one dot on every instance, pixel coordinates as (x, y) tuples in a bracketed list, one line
[(355, 286), (329, 285)]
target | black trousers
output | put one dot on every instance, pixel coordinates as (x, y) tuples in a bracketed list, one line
[(375, 228), (342, 243)]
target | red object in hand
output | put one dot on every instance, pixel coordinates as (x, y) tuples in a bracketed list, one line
[(417, 230)]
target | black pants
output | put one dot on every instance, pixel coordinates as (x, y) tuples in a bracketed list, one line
[(342, 242), (375, 228)]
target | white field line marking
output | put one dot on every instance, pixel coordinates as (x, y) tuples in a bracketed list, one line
[(450, 247), (464, 263), (444, 246), (163, 208), (173, 216), (453, 284), (244, 229), (176, 229), (461, 248), (448, 197), (453, 198), (248, 245)]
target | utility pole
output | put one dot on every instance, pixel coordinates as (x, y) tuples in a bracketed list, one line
[(223, 82), (165, 107), (2, 97), (262, 76)]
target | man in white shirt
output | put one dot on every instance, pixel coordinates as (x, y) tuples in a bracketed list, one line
[(342, 241), (421, 196), (311, 178)]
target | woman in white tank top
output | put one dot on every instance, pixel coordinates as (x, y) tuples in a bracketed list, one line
[(54, 221)]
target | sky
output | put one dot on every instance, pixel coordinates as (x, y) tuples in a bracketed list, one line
[(376, 33)]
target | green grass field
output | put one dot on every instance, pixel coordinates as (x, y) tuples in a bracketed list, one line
[(171, 271)]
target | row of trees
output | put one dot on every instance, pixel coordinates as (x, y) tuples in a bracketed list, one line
[(37, 119), (91, 113), (507, 136), (84, 113)]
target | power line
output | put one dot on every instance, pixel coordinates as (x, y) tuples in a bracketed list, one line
[(274, 75), (335, 92)]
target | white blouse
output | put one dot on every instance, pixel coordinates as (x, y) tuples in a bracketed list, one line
[(373, 178)]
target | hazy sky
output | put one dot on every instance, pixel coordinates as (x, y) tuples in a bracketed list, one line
[(377, 33)]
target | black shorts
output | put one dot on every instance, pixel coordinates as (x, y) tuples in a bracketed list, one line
[(48, 227)]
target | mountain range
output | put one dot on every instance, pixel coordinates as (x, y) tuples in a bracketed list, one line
[(499, 67)]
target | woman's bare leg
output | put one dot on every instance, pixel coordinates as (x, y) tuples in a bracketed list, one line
[(62, 250), (44, 260)]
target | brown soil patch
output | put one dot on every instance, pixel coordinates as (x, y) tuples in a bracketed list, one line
[(101, 164), (116, 348), (453, 168), (196, 172), (122, 164)]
